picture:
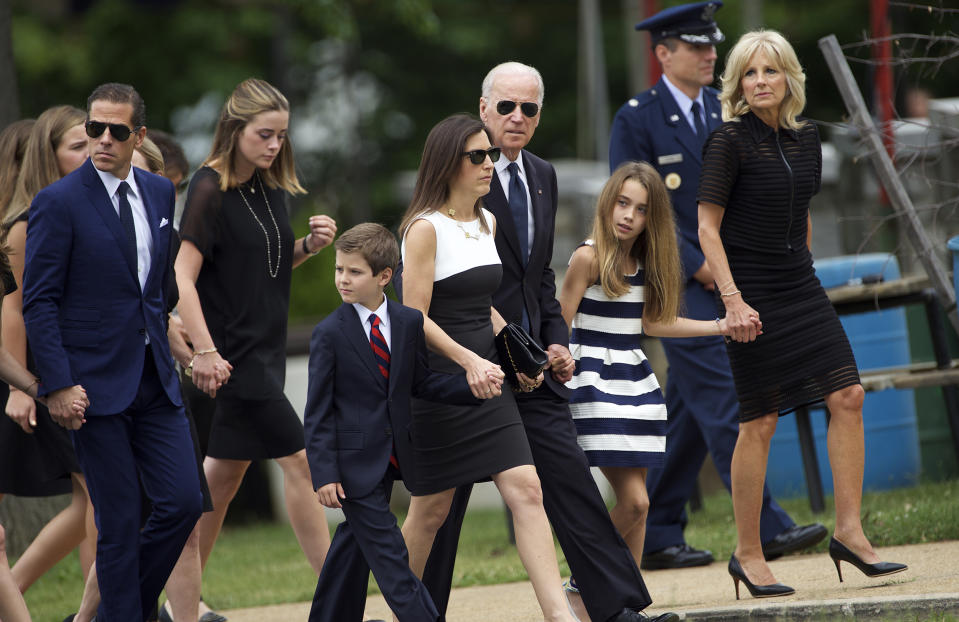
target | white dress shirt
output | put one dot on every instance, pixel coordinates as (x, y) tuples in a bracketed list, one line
[(381, 312), (141, 224)]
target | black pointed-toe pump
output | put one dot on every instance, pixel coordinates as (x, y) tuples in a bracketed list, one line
[(756, 591), (840, 552)]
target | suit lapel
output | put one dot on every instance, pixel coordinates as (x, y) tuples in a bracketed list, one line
[(495, 202), (356, 334), (539, 206), (397, 339), (153, 220), (103, 205), (674, 118)]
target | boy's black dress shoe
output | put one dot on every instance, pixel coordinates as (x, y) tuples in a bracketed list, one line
[(796, 538), (677, 556)]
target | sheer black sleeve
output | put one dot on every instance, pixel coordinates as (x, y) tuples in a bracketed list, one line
[(200, 219), (720, 167)]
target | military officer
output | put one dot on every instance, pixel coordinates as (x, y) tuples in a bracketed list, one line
[(667, 126)]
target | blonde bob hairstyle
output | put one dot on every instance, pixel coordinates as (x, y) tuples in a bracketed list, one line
[(656, 248), (780, 53), (250, 98), (39, 168)]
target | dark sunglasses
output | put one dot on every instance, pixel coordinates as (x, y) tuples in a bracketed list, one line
[(478, 156), (117, 130), (505, 107)]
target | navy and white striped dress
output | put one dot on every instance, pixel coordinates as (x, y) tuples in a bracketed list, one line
[(616, 402)]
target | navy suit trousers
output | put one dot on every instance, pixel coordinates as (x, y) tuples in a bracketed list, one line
[(149, 442)]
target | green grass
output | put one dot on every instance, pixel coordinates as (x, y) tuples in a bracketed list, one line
[(262, 564)]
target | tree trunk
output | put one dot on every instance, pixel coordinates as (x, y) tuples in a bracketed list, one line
[(9, 97)]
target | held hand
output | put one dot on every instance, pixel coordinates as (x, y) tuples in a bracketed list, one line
[(726, 331), (742, 321), (62, 402), (329, 495), (322, 231), (22, 410), (485, 378), (561, 363), (210, 372)]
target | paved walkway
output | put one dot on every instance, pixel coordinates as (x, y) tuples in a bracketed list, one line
[(930, 585)]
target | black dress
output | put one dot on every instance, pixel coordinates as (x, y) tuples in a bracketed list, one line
[(246, 241), (456, 445), (37, 464), (764, 179)]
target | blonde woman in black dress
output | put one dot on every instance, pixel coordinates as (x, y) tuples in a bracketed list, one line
[(760, 169), (233, 271)]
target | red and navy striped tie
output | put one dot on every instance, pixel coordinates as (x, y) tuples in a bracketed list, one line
[(381, 351)]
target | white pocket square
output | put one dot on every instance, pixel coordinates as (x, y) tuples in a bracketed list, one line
[(164, 222)]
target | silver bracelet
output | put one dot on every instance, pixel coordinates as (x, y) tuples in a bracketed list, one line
[(732, 293)]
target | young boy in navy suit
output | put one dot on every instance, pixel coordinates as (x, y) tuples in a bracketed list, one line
[(366, 360)]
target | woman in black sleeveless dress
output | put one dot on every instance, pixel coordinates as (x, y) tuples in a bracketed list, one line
[(233, 272), (760, 169)]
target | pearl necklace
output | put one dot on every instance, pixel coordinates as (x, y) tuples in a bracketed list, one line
[(274, 270)]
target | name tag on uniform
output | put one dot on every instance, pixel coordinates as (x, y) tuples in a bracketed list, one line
[(674, 158)]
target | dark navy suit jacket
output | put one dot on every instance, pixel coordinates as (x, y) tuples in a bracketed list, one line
[(85, 314), (651, 128), (531, 283), (353, 419)]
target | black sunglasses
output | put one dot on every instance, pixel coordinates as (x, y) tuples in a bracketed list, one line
[(117, 130), (506, 106), (478, 156)]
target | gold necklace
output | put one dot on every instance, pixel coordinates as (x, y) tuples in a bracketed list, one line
[(469, 236), (274, 270)]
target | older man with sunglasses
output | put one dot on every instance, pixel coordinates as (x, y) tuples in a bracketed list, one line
[(523, 197), (95, 306)]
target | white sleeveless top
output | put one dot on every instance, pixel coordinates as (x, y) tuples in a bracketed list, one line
[(460, 246)]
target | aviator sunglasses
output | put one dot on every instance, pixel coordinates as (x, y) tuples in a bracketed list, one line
[(478, 156), (505, 106), (117, 130)]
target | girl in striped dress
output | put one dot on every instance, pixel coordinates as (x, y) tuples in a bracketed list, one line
[(622, 282)]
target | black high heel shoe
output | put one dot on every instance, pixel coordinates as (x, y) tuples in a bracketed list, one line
[(839, 552), (756, 591)]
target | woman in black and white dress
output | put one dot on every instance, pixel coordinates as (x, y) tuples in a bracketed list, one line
[(451, 269)]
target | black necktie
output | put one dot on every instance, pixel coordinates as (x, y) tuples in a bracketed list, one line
[(126, 221), (698, 122), (519, 207)]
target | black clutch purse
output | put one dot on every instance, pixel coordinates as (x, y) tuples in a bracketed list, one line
[(518, 353)]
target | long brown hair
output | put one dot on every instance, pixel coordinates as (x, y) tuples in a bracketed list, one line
[(250, 98), (655, 248), (13, 146), (440, 164), (39, 168)]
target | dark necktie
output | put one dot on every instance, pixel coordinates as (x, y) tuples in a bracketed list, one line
[(698, 121), (519, 207), (126, 221), (381, 351)]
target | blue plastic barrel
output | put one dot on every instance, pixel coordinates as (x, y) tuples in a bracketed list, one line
[(953, 245), (878, 339)]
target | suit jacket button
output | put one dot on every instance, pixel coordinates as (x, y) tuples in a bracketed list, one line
[(142, 331)]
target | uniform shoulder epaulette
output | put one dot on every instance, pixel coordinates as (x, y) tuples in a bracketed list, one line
[(644, 99)]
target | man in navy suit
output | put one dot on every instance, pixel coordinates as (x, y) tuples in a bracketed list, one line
[(667, 126), (523, 198), (366, 359), (95, 307)]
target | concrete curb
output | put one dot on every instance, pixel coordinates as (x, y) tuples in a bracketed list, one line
[(878, 608)]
